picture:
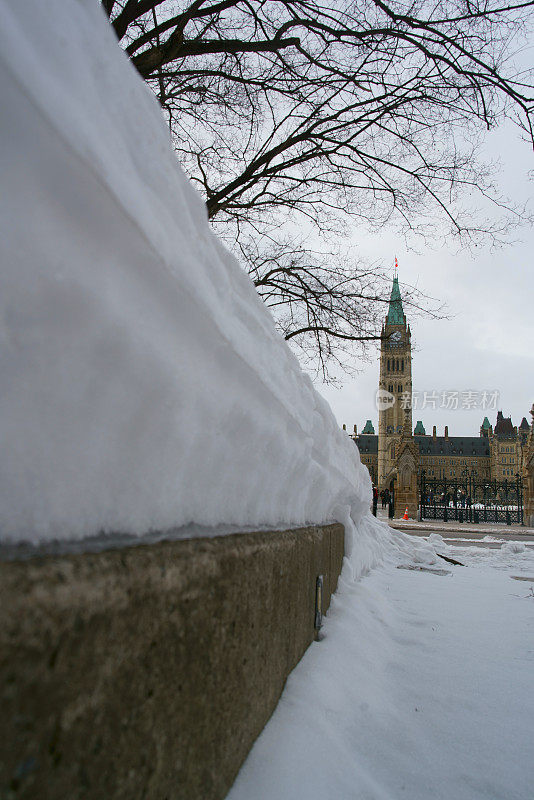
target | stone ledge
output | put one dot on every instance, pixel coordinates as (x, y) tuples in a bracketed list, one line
[(149, 671)]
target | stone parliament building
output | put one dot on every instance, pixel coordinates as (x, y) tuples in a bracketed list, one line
[(399, 453)]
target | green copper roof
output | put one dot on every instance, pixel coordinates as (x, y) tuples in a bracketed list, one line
[(395, 313), (486, 423), (368, 427), (419, 429)]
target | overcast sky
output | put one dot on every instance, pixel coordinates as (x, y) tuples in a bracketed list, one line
[(487, 344)]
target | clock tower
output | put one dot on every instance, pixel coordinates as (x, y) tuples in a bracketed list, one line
[(395, 385)]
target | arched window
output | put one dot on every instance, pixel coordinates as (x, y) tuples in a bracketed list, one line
[(400, 387), (390, 388), (397, 365), (389, 366), (402, 365)]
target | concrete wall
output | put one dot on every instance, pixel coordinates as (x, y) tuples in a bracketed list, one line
[(148, 672)]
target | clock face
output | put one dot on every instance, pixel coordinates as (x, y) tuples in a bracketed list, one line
[(397, 336)]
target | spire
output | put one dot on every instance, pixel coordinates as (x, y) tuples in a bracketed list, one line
[(395, 313)]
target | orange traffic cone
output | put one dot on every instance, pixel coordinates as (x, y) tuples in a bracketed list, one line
[(406, 514)]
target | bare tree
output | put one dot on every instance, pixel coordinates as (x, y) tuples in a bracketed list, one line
[(336, 110), (323, 302)]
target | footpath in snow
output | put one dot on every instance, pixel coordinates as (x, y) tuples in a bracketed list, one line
[(423, 686)]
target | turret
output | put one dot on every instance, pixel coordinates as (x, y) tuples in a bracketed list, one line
[(523, 431), (485, 429), (503, 427)]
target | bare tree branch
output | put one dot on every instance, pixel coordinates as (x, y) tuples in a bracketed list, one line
[(334, 113)]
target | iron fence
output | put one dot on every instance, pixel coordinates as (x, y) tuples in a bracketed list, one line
[(471, 499)]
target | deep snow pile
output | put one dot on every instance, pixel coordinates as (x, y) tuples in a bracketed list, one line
[(422, 687), (143, 383)]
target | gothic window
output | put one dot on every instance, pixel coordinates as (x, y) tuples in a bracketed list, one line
[(402, 365), (389, 366), (397, 367), (390, 388), (400, 387)]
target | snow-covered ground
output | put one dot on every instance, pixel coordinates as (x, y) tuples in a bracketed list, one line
[(423, 686)]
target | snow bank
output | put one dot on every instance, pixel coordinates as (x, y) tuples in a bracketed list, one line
[(509, 548), (143, 383)]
